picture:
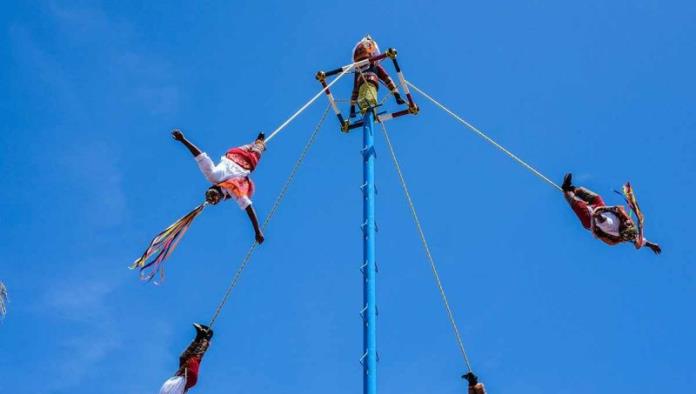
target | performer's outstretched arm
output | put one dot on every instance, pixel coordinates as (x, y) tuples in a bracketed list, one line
[(255, 222), (179, 136), (211, 172)]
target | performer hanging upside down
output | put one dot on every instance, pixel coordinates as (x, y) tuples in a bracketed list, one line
[(474, 386), (610, 224), (189, 363), (367, 77), (230, 178)]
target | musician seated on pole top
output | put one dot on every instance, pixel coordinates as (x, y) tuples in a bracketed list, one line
[(367, 77), (230, 177)]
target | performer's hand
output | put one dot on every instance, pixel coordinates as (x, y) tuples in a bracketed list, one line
[(259, 237), (654, 247), (178, 135), (398, 98)]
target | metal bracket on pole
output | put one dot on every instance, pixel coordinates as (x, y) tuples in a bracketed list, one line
[(367, 152), (362, 313), (363, 186), (362, 358)]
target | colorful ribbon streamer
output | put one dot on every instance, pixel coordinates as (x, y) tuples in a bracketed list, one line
[(152, 261)]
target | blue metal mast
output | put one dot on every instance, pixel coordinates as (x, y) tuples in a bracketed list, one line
[(369, 267)]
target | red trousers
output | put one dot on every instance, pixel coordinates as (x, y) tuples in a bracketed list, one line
[(191, 367), (584, 210)]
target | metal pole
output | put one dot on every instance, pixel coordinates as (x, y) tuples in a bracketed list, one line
[(369, 268)]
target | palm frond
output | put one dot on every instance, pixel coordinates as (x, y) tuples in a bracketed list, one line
[(3, 300)]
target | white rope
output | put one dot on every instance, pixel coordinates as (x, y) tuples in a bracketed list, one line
[(274, 208), (308, 103), (426, 247), (487, 138)]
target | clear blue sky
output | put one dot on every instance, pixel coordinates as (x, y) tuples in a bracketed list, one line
[(90, 91)]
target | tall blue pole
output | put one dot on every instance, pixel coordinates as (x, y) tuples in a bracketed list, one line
[(369, 267)]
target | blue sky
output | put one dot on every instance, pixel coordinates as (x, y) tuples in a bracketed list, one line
[(91, 90)]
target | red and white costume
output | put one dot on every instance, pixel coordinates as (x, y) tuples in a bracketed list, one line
[(189, 365), (232, 173), (604, 222)]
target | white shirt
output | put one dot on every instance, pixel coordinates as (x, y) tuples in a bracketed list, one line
[(221, 172), (174, 385), (610, 225)]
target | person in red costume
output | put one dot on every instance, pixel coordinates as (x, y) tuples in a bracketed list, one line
[(367, 77), (230, 177), (610, 224), (189, 363)]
